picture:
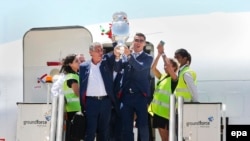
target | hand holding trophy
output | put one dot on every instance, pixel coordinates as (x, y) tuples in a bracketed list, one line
[(120, 30)]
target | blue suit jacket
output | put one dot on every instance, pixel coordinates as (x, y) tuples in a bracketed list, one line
[(106, 69), (137, 71)]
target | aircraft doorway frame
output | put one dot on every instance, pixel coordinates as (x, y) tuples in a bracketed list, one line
[(43, 50)]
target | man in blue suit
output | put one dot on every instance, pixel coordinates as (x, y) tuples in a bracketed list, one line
[(135, 89), (96, 92)]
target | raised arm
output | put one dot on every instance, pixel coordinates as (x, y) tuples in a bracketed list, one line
[(154, 65), (167, 65), (169, 68)]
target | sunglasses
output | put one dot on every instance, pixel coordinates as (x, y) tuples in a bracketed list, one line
[(138, 40)]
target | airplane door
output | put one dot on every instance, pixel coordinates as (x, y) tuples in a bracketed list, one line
[(43, 49)]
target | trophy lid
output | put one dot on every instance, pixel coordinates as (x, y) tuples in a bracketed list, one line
[(120, 16)]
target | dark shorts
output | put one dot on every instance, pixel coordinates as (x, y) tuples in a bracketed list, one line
[(160, 122)]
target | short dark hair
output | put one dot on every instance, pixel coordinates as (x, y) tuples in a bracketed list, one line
[(141, 35)]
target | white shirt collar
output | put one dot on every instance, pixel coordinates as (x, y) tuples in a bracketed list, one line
[(181, 68)]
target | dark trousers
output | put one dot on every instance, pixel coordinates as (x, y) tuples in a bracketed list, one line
[(115, 132), (98, 114), (150, 129), (132, 104), (69, 117)]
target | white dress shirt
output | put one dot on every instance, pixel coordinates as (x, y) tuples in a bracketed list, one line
[(95, 82)]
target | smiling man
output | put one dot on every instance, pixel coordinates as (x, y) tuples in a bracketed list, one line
[(135, 89)]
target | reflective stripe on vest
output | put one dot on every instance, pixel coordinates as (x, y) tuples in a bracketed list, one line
[(72, 100), (161, 99), (162, 91), (160, 103), (181, 88), (68, 91)]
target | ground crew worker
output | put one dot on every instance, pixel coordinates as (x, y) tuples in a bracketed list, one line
[(186, 86), (70, 89), (159, 107)]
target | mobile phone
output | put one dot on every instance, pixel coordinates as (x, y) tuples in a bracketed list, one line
[(162, 43)]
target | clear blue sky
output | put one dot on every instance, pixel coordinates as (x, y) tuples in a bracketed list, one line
[(18, 16)]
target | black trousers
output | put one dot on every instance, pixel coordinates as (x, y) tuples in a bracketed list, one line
[(151, 135), (70, 116)]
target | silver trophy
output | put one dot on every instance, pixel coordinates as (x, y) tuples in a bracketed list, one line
[(120, 29)]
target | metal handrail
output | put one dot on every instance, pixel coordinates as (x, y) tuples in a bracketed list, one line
[(172, 119), (180, 118), (60, 119), (53, 118)]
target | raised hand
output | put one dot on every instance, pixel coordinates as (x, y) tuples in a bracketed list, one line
[(117, 52), (160, 48)]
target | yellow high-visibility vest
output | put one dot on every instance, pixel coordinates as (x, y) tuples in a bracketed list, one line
[(73, 102), (161, 99), (181, 88)]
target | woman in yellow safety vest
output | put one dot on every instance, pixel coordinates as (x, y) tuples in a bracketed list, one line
[(187, 77), (159, 106), (186, 86), (70, 89)]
